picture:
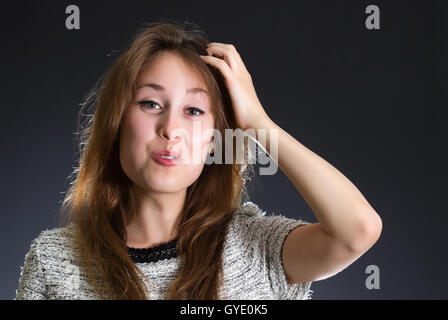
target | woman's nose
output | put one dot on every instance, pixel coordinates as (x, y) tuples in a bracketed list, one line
[(169, 126)]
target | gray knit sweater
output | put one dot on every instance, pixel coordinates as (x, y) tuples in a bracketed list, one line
[(252, 265)]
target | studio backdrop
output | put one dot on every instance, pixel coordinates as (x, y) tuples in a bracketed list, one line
[(357, 82)]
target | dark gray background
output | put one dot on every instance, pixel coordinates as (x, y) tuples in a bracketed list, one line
[(370, 102)]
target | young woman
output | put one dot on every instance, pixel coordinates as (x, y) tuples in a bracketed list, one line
[(145, 223)]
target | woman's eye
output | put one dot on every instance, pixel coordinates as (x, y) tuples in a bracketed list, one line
[(199, 111), (148, 104)]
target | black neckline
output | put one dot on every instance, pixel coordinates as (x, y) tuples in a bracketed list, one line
[(161, 252)]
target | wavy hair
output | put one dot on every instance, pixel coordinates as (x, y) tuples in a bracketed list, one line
[(100, 200)]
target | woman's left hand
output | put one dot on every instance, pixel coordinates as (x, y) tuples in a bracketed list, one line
[(246, 105)]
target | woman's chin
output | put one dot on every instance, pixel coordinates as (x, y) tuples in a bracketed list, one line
[(164, 184)]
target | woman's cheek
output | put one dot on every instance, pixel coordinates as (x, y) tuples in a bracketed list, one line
[(193, 172)]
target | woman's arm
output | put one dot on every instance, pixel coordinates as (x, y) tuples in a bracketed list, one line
[(341, 209), (348, 226)]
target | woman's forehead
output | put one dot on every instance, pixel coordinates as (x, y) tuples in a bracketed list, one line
[(166, 69)]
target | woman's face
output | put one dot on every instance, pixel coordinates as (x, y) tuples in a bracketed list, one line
[(166, 115)]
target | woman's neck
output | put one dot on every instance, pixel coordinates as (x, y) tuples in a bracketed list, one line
[(155, 218)]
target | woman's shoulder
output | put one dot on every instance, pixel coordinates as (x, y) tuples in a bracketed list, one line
[(51, 269), (243, 215), (250, 214), (55, 235), (253, 251), (249, 208), (55, 243), (251, 226)]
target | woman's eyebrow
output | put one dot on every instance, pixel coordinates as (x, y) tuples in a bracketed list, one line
[(158, 87)]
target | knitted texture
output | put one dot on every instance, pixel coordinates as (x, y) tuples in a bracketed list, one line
[(252, 265)]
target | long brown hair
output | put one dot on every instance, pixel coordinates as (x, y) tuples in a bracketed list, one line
[(100, 199)]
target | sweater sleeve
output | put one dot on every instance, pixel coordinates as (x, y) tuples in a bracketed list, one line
[(32, 276), (266, 235)]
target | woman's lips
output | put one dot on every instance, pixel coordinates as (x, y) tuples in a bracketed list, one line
[(165, 158)]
